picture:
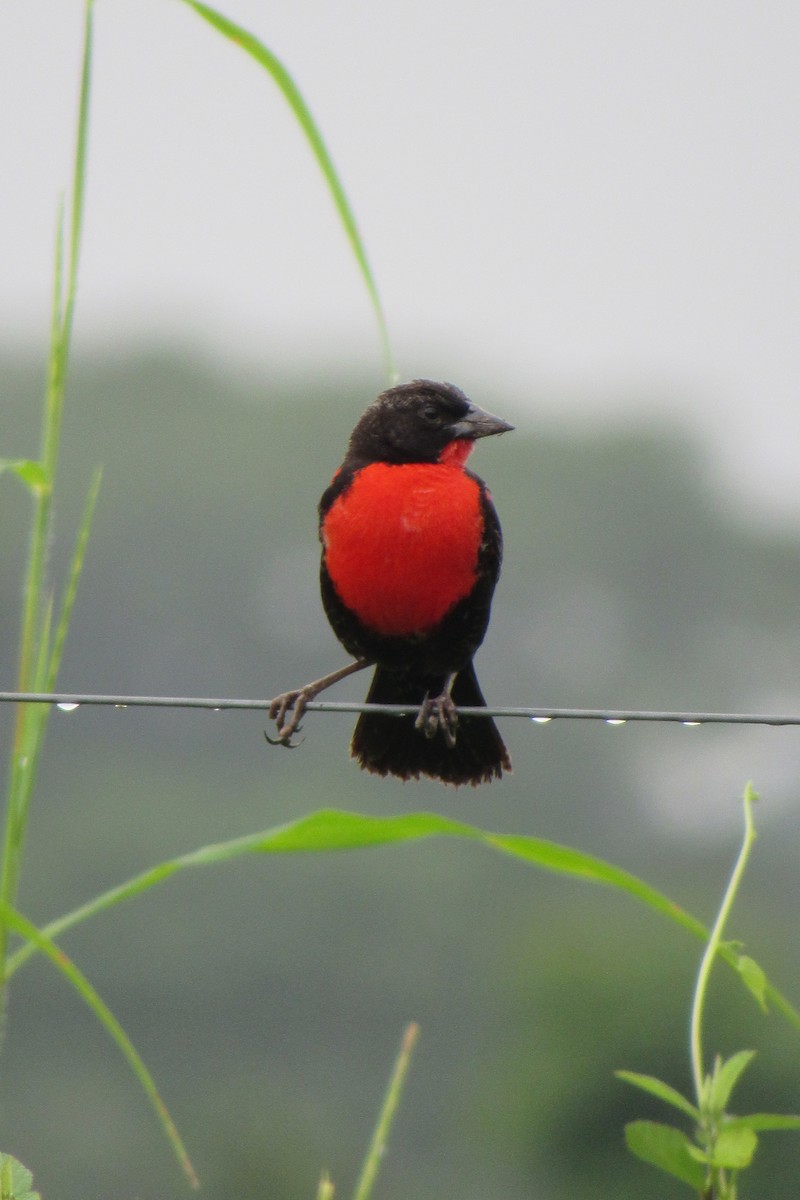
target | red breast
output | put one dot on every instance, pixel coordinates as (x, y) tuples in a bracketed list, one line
[(402, 541)]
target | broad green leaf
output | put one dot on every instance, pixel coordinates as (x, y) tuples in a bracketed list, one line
[(656, 1087), (733, 1149), (32, 473), (665, 1147), (725, 1077), (291, 93), (15, 1180), (81, 984), (763, 1121)]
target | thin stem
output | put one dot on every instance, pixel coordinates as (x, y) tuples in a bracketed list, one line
[(712, 946)]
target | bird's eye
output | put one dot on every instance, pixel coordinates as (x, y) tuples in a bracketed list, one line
[(431, 414)]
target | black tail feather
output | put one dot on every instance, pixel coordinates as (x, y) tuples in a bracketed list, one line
[(390, 745)]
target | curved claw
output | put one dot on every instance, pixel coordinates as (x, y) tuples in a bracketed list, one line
[(286, 739), (293, 703)]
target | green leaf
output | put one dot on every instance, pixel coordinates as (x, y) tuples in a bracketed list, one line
[(31, 472), (762, 1121), (648, 1083), (15, 1180), (667, 1148), (733, 1149), (754, 978), (291, 93), (725, 1077), (332, 829)]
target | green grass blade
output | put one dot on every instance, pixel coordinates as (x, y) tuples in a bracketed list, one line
[(33, 722), (80, 983), (25, 764), (262, 55), (66, 282), (331, 829), (35, 631), (124, 891), (48, 660), (79, 171), (377, 1146), (73, 579)]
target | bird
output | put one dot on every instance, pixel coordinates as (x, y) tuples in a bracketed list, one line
[(411, 553)]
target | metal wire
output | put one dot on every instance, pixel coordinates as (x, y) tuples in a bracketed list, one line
[(69, 701)]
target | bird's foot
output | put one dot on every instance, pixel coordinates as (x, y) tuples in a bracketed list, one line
[(287, 711), (438, 712)]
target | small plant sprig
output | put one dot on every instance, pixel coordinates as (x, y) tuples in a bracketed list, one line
[(723, 1145)]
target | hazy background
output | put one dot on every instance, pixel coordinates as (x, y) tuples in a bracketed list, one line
[(585, 215), (593, 204)]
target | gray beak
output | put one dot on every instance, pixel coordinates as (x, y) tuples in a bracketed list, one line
[(477, 423)]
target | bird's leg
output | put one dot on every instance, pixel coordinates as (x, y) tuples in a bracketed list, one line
[(295, 702), (439, 712)]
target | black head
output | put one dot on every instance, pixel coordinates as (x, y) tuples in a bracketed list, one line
[(415, 421)]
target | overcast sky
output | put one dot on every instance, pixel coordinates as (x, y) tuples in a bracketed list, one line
[(592, 204)]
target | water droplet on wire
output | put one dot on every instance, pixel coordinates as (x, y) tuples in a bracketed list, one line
[(690, 724), (616, 721), (541, 720), (65, 707)]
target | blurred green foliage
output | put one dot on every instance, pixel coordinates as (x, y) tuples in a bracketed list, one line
[(268, 997)]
